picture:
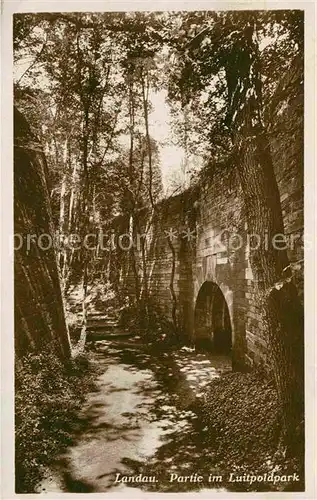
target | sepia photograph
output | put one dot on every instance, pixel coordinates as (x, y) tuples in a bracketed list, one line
[(159, 251)]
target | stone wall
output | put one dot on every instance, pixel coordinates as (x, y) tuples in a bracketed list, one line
[(208, 257), (213, 213), (39, 313)]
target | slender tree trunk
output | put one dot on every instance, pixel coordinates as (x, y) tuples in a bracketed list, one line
[(85, 228), (145, 95), (64, 224), (83, 332), (133, 262), (145, 291), (61, 228), (171, 286), (68, 256), (131, 195), (72, 197)]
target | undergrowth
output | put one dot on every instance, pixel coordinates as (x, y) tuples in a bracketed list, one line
[(244, 428), (48, 396), (147, 320)]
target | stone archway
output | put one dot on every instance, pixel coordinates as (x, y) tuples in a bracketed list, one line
[(212, 326)]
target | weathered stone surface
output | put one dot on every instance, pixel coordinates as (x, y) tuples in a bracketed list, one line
[(215, 215), (39, 313)]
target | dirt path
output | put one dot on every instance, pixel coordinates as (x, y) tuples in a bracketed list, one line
[(138, 421)]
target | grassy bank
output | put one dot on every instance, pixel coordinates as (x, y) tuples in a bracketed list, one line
[(48, 396), (244, 430)]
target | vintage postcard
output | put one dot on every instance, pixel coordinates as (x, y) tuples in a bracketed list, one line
[(158, 326)]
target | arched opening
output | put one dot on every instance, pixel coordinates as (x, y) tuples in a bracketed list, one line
[(212, 321)]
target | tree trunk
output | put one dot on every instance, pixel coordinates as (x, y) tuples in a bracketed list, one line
[(131, 194), (61, 224), (269, 261), (145, 96), (277, 293), (72, 197), (173, 294), (132, 259), (83, 332), (62, 205), (85, 225)]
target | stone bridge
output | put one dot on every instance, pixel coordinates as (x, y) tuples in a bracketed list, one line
[(198, 262)]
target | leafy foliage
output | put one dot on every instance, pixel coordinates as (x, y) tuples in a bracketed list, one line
[(74, 91), (147, 320), (48, 396), (244, 427), (215, 60)]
